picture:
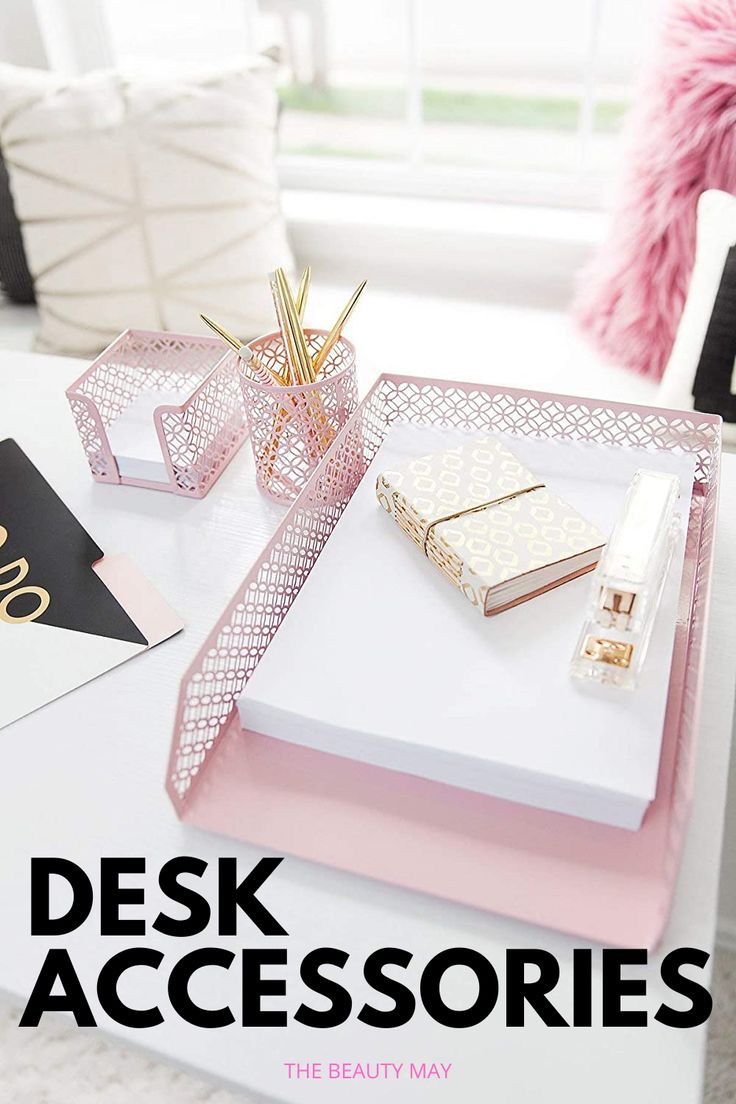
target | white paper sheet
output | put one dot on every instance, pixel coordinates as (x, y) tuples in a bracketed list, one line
[(133, 438), (380, 659)]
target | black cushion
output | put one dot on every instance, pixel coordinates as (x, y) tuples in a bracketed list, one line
[(15, 279)]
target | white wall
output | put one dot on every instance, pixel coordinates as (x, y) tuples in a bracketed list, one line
[(20, 36)]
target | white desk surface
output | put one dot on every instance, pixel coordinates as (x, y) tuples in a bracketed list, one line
[(84, 778)]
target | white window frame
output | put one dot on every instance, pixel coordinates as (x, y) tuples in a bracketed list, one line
[(537, 189), (77, 38), (580, 188)]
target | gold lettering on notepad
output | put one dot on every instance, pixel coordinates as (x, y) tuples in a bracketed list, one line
[(21, 571), (21, 568), (43, 604)]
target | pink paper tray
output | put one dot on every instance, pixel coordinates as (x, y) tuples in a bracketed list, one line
[(198, 438), (601, 883)]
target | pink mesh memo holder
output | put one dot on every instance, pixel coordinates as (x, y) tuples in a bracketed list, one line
[(291, 428), (604, 884), (198, 436)]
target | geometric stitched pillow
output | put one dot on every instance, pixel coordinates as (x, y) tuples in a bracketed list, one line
[(144, 201)]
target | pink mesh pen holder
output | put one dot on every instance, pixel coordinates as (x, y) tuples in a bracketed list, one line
[(291, 428), (194, 437)]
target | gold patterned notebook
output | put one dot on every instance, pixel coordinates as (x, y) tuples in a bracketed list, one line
[(489, 524)]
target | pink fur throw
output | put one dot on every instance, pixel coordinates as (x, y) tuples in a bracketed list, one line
[(682, 140)]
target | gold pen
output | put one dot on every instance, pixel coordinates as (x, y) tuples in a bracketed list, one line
[(303, 292), (303, 361), (322, 431), (264, 374), (336, 330), (230, 339), (291, 368)]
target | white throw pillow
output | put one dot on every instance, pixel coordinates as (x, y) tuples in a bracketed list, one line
[(704, 351), (144, 201)]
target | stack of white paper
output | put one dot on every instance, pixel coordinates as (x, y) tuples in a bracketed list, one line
[(381, 660)]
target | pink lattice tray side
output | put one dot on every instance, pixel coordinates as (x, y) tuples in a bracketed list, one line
[(603, 883), (197, 436)]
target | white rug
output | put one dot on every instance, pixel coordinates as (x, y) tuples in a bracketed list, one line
[(720, 1066), (58, 1064), (55, 1064)]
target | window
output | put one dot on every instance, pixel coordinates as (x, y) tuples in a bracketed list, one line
[(517, 101)]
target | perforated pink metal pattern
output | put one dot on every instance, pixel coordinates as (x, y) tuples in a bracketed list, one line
[(291, 428), (198, 438), (219, 672)]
